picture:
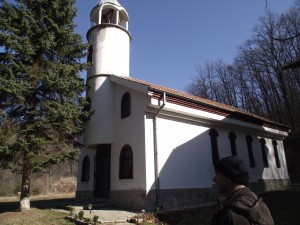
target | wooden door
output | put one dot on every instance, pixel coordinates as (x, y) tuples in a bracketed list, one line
[(102, 171)]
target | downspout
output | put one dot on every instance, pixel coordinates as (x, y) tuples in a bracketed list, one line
[(157, 186)]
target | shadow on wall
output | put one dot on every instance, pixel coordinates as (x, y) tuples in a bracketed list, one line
[(186, 173), (187, 170)]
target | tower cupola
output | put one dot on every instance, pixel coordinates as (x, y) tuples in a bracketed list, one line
[(109, 11)]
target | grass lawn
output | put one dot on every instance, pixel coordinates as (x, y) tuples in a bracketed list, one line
[(284, 206), (34, 217), (38, 215)]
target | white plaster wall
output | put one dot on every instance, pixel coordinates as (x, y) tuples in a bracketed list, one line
[(86, 186), (282, 159), (110, 56), (185, 159), (129, 131), (149, 151), (259, 171), (255, 173), (100, 127), (223, 142), (272, 172), (184, 156), (241, 146), (184, 147), (220, 121), (111, 51)]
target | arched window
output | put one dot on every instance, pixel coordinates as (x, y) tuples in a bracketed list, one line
[(85, 172), (125, 105), (214, 145), (277, 160), (264, 152), (232, 138), (249, 141), (108, 15), (126, 163)]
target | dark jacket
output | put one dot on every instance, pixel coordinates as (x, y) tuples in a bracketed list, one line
[(243, 207)]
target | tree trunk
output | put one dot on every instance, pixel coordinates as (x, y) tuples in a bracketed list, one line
[(25, 189)]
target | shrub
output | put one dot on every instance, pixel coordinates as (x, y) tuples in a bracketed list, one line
[(71, 211), (88, 220), (81, 214), (64, 185), (17, 188), (36, 191), (95, 218), (2, 193)]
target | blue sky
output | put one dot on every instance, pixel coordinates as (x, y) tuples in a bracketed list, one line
[(170, 38)]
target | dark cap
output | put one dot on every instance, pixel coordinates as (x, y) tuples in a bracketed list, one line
[(234, 168)]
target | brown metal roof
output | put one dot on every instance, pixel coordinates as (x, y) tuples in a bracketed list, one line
[(192, 101)]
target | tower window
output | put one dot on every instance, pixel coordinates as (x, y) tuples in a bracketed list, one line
[(232, 138), (278, 164), (85, 172), (264, 152), (90, 55), (214, 145), (126, 163), (108, 16), (125, 105), (249, 141)]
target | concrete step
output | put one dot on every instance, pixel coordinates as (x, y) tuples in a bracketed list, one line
[(96, 204)]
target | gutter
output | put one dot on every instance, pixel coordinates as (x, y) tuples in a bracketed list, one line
[(157, 185)]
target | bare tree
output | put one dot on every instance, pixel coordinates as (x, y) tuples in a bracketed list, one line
[(255, 81)]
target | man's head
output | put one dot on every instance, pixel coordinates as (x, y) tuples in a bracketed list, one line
[(230, 172)]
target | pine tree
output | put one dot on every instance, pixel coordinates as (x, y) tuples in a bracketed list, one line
[(42, 108)]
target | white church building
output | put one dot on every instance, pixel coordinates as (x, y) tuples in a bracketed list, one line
[(146, 145)]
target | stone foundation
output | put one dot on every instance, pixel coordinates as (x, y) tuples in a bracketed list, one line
[(168, 198), (273, 185), (131, 199), (182, 198), (84, 195), (175, 198)]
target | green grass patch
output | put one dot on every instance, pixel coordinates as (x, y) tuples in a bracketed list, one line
[(34, 217)]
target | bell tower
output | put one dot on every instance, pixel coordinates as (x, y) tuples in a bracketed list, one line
[(109, 48)]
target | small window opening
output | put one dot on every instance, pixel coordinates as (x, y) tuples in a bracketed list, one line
[(214, 145), (249, 141), (264, 150), (126, 163), (277, 160), (125, 105), (90, 55), (108, 16), (232, 138), (85, 173)]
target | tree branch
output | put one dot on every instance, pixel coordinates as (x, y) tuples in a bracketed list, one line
[(286, 39)]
